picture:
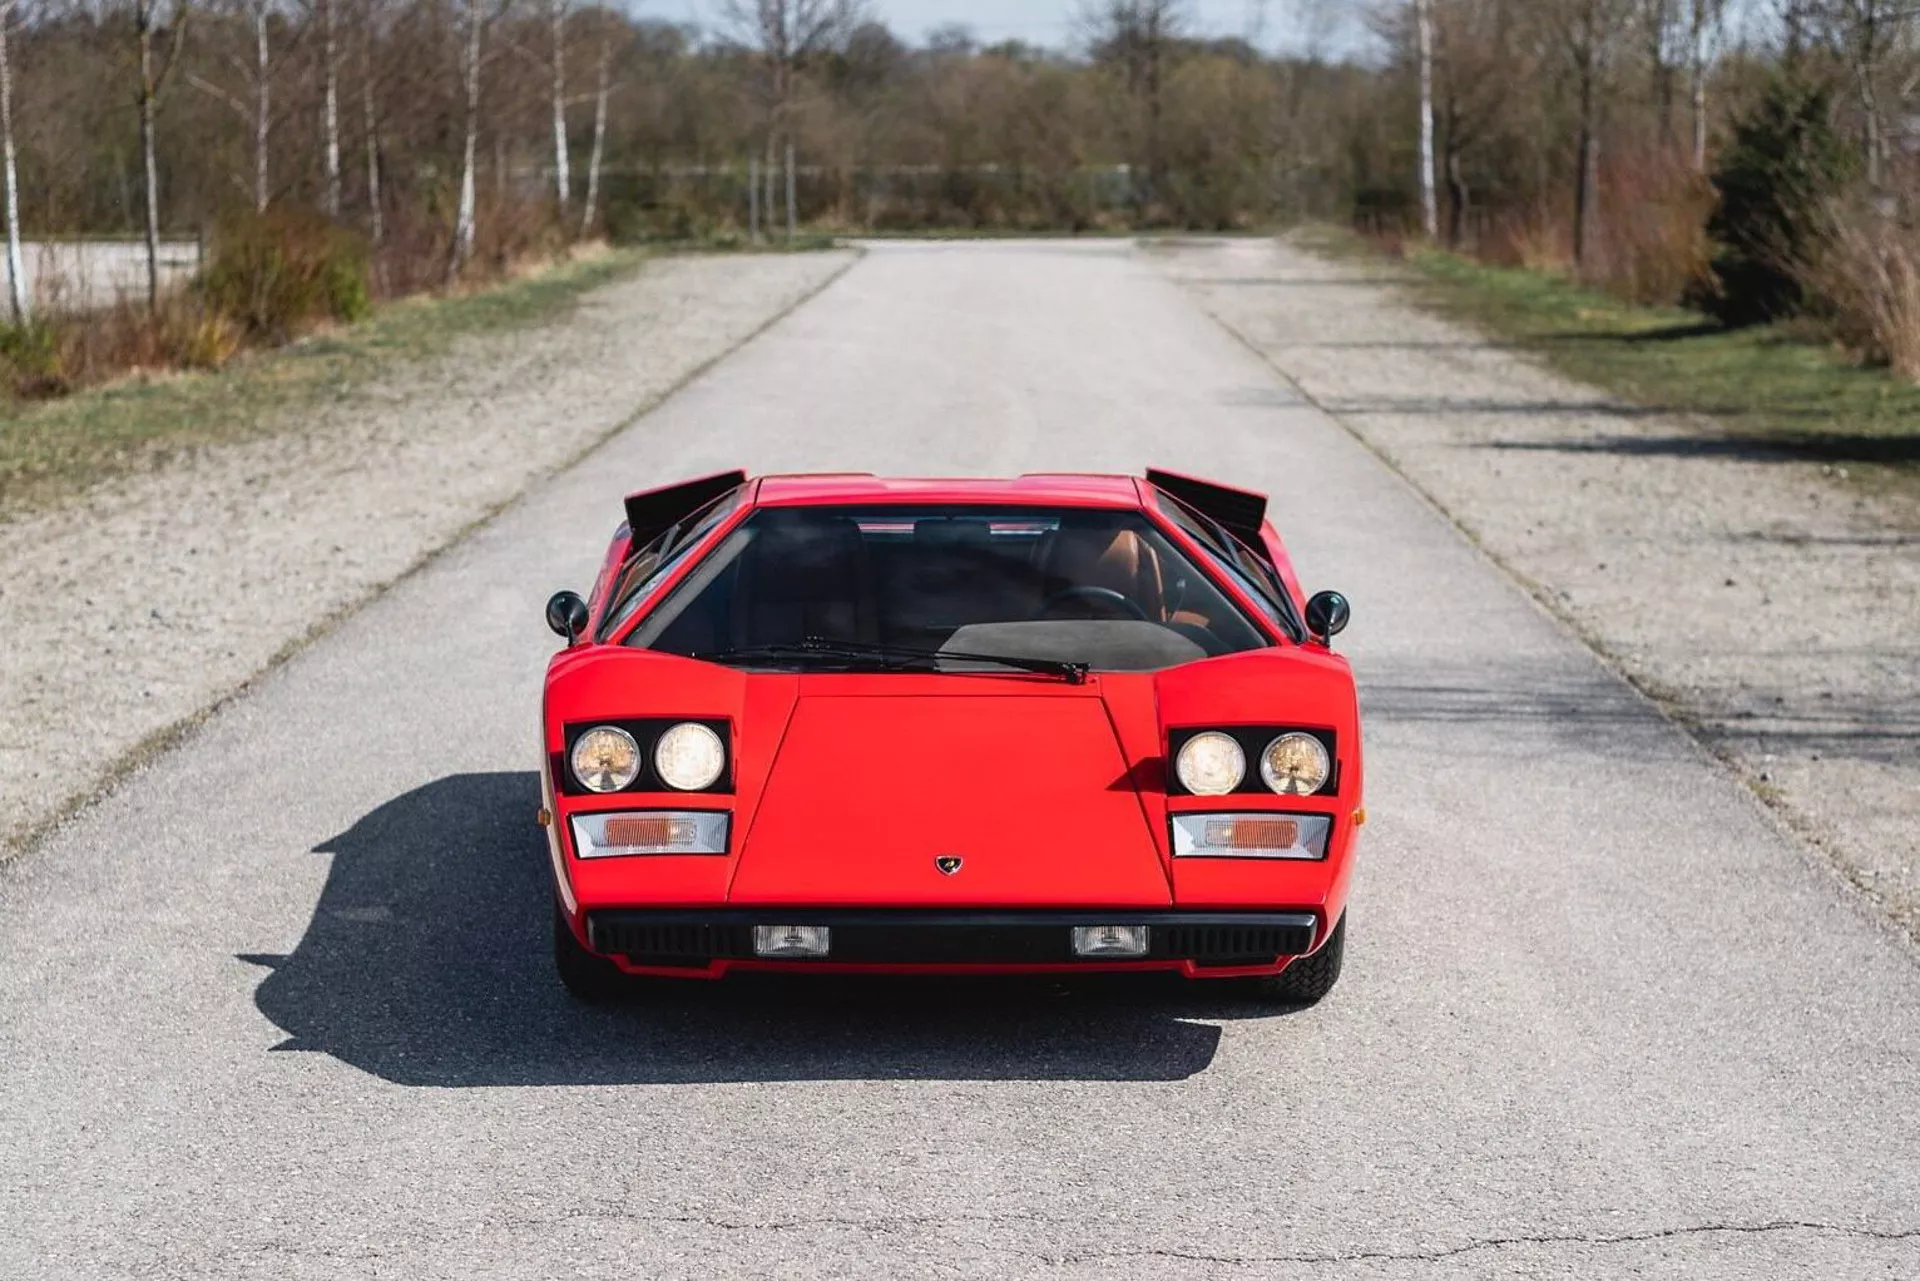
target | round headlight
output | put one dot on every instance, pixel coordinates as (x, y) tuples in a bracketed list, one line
[(1295, 764), (606, 759), (1210, 764), (689, 757)]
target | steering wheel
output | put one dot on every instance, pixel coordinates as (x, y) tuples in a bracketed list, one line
[(1104, 595)]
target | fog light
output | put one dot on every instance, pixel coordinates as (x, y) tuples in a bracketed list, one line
[(1109, 940), (791, 940)]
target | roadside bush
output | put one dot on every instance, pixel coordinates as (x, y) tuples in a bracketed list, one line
[(1867, 274), (1784, 163), (1651, 241), (278, 273), (31, 360), (65, 351)]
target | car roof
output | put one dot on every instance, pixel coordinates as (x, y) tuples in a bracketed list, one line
[(1066, 489)]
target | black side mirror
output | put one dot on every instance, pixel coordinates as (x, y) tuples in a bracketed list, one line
[(1327, 615), (567, 615)]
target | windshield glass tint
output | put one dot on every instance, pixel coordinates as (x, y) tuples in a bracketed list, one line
[(1100, 587)]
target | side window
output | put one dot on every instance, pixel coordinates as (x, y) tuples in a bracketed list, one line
[(647, 568), (1260, 584)]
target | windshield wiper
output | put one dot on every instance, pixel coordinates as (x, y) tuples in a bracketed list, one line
[(923, 659)]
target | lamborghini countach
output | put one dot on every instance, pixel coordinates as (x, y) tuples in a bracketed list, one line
[(1050, 725)]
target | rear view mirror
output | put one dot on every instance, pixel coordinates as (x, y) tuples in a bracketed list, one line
[(1327, 615), (567, 615)]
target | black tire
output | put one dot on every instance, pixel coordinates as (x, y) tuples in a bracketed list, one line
[(590, 978), (1308, 979)]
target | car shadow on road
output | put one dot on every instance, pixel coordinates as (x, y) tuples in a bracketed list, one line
[(427, 962)]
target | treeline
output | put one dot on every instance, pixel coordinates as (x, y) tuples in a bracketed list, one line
[(453, 131), (437, 138), (1757, 162)]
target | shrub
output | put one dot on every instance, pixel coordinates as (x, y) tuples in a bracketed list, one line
[(278, 273), (1651, 243), (32, 362), (1784, 160), (1867, 273)]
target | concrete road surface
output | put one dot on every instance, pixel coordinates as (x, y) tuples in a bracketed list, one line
[(281, 1007)]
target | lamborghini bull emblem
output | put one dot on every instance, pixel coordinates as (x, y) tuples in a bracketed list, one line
[(948, 864)]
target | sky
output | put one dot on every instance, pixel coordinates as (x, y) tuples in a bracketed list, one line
[(1053, 22), (1277, 24)]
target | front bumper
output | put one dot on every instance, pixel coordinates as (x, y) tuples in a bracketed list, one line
[(708, 942)]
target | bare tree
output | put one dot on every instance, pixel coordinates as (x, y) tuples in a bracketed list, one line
[(1589, 32), (1429, 198), (474, 18), (154, 69), (1139, 37), (1866, 32), (603, 90), (254, 106), (562, 179), (1707, 18), (16, 286), (786, 33), (370, 121), (330, 105)]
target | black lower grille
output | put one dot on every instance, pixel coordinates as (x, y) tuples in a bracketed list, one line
[(693, 938), (1231, 944), (667, 942)]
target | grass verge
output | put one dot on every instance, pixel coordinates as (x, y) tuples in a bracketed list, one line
[(1770, 391), (53, 449)]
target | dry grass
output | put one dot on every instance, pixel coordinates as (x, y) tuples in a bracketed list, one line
[(1868, 273), (65, 352), (138, 420)]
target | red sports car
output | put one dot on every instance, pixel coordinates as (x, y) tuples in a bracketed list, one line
[(1057, 724)]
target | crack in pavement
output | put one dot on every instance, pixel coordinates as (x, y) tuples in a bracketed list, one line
[(1504, 1242)]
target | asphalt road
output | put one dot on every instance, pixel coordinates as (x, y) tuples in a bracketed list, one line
[(280, 1006)]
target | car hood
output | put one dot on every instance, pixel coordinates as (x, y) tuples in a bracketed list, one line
[(870, 797)]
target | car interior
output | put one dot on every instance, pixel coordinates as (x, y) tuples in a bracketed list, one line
[(1012, 579)]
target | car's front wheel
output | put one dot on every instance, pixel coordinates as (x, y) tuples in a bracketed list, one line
[(1308, 979), (590, 978)]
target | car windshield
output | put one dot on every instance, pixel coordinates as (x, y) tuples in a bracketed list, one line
[(865, 588)]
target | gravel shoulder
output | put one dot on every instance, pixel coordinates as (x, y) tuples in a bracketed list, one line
[(1768, 603), (135, 606)]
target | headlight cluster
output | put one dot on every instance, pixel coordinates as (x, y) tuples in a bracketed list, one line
[(1213, 763), (687, 757)]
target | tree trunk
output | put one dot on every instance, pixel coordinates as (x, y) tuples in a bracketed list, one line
[(370, 122), (793, 207), (1429, 200), (1458, 200), (149, 90), (753, 200), (769, 171), (1586, 182), (330, 106), (1587, 155), (562, 179), (16, 286), (1863, 72), (1697, 90), (262, 107), (602, 92), (464, 216)]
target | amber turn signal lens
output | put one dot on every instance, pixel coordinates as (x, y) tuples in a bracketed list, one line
[(1253, 833), (650, 829)]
